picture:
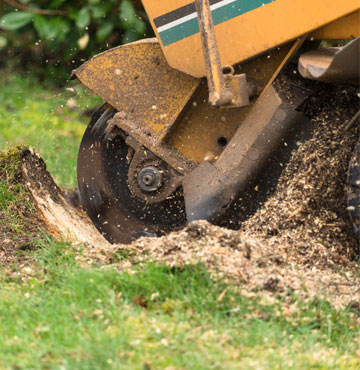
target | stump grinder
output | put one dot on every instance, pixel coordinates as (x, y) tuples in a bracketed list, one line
[(193, 118)]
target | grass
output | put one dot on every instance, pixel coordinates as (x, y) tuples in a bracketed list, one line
[(56, 314), (15, 205), (33, 115), (67, 316)]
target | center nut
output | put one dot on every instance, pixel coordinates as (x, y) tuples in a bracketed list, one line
[(149, 179)]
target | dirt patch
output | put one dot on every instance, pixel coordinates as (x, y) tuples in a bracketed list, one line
[(33, 204), (19, 222)]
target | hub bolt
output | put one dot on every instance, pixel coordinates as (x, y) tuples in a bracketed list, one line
[(149, 179)]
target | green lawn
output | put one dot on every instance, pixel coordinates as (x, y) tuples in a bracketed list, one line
[(57, 314), (65, 316), (40, 117)]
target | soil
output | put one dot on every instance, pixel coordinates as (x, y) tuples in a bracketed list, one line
[(300, 241), (40, 206), (20, 215)]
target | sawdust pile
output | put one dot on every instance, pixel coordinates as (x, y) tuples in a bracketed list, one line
[(307, 219)]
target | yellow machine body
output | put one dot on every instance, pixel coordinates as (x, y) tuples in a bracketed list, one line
[(159, 131), (153, 95), (246, 28)]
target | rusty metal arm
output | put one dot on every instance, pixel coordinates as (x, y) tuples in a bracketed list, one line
[(224, 90), (218, 93)]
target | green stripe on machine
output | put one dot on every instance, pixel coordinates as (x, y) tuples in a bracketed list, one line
[(222, 14)]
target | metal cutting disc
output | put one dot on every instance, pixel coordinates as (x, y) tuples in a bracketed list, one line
[(102, 172)]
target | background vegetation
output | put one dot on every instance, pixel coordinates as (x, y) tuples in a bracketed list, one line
[(40, 43), (51, 120), (53, 37)]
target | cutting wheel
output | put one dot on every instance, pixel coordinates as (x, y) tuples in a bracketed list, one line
[(103, 178)]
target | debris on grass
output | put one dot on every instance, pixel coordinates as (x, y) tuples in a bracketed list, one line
[(257, 268), (301, 241)]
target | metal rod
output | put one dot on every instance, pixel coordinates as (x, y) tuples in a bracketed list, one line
[(218, 93)]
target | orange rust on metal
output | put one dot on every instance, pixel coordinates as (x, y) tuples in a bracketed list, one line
[(345, 28), (251, 33), (137, 81)]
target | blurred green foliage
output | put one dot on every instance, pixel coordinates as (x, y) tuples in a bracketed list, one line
[(65, 33)]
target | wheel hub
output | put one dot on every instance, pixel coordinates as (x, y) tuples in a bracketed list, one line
[(149, 179)]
